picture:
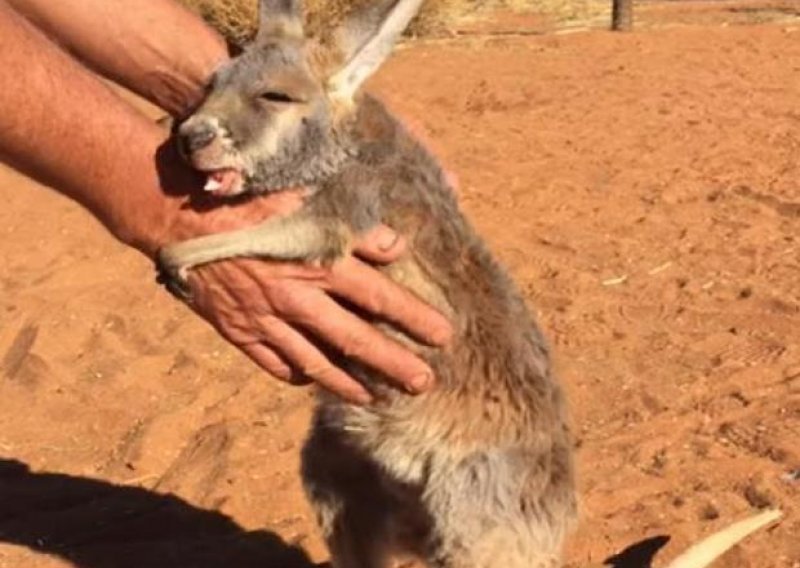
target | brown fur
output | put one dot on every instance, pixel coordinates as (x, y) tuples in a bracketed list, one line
[(478, 472)]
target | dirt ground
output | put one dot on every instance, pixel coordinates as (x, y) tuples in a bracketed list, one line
[(643, 189)]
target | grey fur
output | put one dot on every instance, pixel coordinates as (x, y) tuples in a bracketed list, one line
[(477, 473)]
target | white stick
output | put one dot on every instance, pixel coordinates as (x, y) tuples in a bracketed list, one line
[(709, 549)]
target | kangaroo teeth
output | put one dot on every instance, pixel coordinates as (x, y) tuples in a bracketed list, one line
[(212, 185)]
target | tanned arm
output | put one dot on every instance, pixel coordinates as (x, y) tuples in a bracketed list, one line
[(157, 49), (63, 126)]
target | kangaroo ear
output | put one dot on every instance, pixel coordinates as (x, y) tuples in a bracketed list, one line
[(279, 19), (367, 39)]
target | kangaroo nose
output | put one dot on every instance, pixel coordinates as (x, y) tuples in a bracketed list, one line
[(196, 137)]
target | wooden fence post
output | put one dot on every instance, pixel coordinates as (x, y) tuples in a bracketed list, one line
[(622, 15)]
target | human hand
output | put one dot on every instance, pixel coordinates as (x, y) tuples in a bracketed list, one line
[(283, 315), (271, 310)]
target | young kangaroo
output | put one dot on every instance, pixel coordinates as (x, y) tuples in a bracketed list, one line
[(476, 473)]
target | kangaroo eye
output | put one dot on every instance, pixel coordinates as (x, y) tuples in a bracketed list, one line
[(277, 97)]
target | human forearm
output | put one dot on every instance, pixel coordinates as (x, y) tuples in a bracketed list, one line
[(157, 48), (64, 127)]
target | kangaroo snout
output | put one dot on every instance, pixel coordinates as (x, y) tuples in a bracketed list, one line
[(194, 135)]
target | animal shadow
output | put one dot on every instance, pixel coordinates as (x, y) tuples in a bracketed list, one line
[(96, 524), (638, 555)]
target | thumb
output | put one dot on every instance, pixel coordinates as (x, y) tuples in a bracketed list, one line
[(381, 244)]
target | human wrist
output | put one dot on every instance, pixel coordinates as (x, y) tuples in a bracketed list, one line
[(145, 213)]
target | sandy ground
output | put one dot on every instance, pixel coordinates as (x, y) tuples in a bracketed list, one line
[(642, 188)]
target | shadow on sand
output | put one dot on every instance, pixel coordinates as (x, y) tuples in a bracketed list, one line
[(95, 524), (639, 555)]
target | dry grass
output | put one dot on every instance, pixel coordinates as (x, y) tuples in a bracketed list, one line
[(564, 10), (236, 19)]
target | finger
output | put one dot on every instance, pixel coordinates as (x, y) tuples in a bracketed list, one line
[(381, 244), (310, 361), (358, 340), (372, 291), (267, 359), (238, 328)]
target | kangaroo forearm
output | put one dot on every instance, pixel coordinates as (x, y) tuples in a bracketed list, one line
[(299, 237), (64, 127), (157, 48)]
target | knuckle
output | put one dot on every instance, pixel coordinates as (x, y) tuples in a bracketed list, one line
[(282, 298), (294, 301), (276, 334), (375, 301), (357, 344), (236, 330)]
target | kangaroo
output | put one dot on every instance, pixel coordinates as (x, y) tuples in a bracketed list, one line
[(476, 473)]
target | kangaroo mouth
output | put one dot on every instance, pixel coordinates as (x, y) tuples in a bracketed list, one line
[(224, 182)]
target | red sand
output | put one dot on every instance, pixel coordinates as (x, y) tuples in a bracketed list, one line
[(643, 189)]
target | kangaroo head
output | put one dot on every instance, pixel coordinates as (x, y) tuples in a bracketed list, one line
[(276, 116)]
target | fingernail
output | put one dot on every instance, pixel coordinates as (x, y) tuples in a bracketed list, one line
[(441, 334), (420, 383), (387, 239)]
